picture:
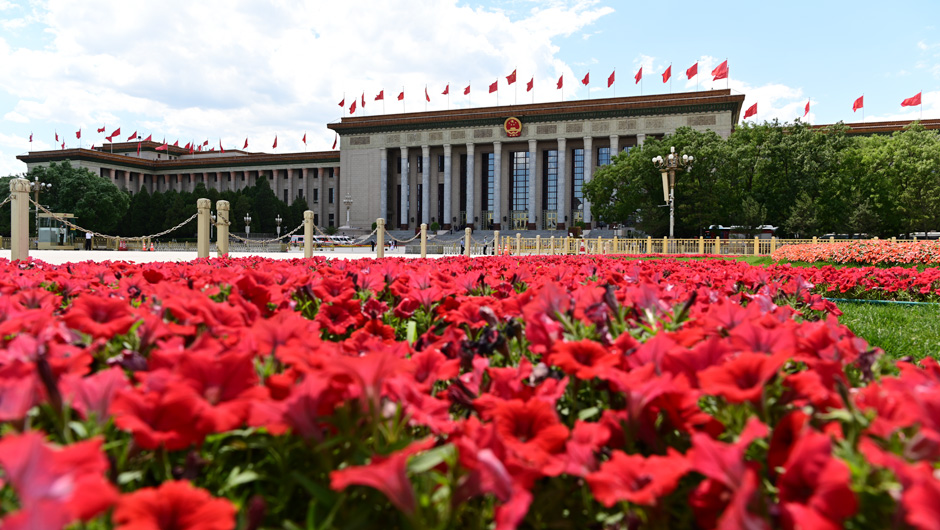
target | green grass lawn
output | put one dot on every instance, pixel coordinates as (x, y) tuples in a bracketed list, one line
[(899, 330)]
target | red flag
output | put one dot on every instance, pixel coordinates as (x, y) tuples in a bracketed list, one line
[(63, 145), (638, 76), (275, 136), (78, 134), (610, 80), (188, 145), (246, 144), (561, 81), (426, 96), (381, 96), (176, 143), (401, 96), (530, 84), (164, 146), (667, 74), (133, 136), (721, 71), (511, 78), (912, 101), (692, 71), (446, 90), (352, 108), (57, 136), (101, 130), (115, 133), (342, 102), (805, 112), (752, 110), (466, 91), (363, 100), (587, 79), (859, 103), (494, 86), (304, 139), (222, 149), (335, 139), (148, 138), (30, 137)]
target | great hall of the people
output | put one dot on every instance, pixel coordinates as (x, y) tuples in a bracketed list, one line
[(510, 167)]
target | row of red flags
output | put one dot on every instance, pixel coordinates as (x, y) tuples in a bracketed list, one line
[(859, 103), (720, 72), (190, 146)]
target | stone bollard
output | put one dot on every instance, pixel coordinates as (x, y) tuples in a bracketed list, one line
[(308, 233), (19, 220), (553, 245), (518, 244), (496, 242), (538, 245), (424, 240), (756, 246), (701, 245), (380, 238), (717, 245), (466, 241), (202, 227), (567, 249), (222, 213), (649, 244), (599, 248), (665, 244)]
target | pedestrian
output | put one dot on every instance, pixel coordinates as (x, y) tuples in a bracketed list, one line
[(484, 247), (372, 241), (462, 247), (88, 237)]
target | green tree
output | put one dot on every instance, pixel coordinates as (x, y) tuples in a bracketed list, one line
[(96, 202)]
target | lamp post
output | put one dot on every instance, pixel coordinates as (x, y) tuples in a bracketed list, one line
[(668, 168), (347, 200), (247, 226), (278, 220), (37, 187)]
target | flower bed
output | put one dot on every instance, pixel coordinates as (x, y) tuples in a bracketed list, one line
[(563, 391), (870, 283), (867, 252)]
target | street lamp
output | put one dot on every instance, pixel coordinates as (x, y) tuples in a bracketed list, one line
[(278, 220), (668, 168), (247, 226), (212, 215), (347, 200), (37, 187)]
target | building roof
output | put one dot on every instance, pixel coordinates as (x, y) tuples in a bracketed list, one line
[(125, 155), (885, 127), (681, 103)]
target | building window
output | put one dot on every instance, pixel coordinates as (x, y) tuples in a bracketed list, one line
[(332, 220), (316, 195), (550, 182), (440, 163), (463, 191), (420, 202), (285, 195), (603, 156), (520, 180), (399, 164), (577, 178), (316, 219), (300, 193), (420, 163), (331, 198), (489, 181)]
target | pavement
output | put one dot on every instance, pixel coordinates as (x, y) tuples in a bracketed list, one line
[(58, 257)]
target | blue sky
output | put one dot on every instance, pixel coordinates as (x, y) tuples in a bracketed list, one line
[(224, 71)]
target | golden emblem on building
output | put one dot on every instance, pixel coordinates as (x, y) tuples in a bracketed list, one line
[(513, 127)]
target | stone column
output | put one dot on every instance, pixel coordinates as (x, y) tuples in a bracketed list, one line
[(470, 187), (308, 233), (445, 222), (497, 183), (640, 138), (614, 145), (202, 227), (405, 179), (291, 185), (306, 179), (533, 203), (383, 182), (425, 184), (562, 190), (588, 173), (321, 210), (221, 244), (19, 219), (276, 185), (127, 180)]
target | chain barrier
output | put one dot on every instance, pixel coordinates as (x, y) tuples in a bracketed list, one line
[(404, 242), (264, 241), (5, 201), (106, 236)]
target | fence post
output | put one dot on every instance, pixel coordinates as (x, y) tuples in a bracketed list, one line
[(552, 241), (202, 227), (424, 240), (717, 245), (815, 240), (773, 244), (221, 244), (518, 244), (308, 233), (756, 245), (496, 242), (614, 246), (538, 245), (19, 220), (598, 250), (649, 244), (380, 238), (915, 239), (832, 239), (466, 241), (665, 244), (701, 245), (894, 240)]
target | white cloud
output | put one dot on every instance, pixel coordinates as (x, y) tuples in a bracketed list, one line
[(929, 111)]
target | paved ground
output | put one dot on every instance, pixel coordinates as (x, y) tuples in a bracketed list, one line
[(58, 257)]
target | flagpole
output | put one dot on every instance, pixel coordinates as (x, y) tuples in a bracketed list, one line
[(727, 77), (426, 97), (670, 78), (403, 99), (469, 103), (589, 84), (863, 107), (515, 94)]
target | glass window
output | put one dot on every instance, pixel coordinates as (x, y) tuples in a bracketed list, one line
[(520, 180), (489, 181), (440, 163), (577, 178), (420, 163), (331, 198), (399, 164), (603, 156), (550, 181), (316, 195)]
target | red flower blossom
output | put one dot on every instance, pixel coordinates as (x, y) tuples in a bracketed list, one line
[(92, 395), (531, 428), (336, 318), (637, 479), (386, 474), (741, 379), (159, 419), (100, 317), (584, 359), (176, 505), (815, 490)]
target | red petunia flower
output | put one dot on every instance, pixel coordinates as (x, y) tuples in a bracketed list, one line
[(584, 359), (100, 317), (337, 318), (637, 479), (741, 379), (159, 419), (815, 486), (531, 428), (176, 505), (386, 474)]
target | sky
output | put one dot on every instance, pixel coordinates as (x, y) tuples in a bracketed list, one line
[(224, 71)]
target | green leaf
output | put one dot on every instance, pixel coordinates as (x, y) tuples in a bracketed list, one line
[(412, 331), (321, 494), (238, 477), (129, 476), (430, 459), (590, 412)]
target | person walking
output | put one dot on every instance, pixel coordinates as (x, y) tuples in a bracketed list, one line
[(373, 244), (88, 237)]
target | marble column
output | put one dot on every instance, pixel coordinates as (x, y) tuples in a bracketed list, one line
[(588, 173), (640, 138), (426, 184), (447, 186), (614, 145), (405, 179), (497, 184), (470, 187), (383, 183), (533, 172), (562, 190)]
